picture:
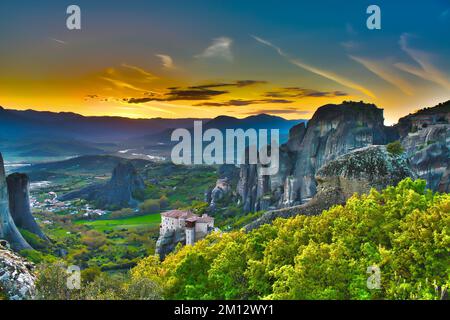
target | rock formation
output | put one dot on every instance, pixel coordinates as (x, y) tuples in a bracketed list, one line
[(228, 178), (19, 203), (355, 172), (220, 191), (8, 229), (425, 136), (439, 114), (167, 242), (17, 280), (117, 193), (334, 130)]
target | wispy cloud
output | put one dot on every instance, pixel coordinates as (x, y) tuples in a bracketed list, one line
[(326, 74), (146, 74), (237, 84), (166, 61), (58, 41), (242, 102), (445, 14), (279, 111), (122, 84), (386, 73), (426, 69), (297, 92), (350, 45), (350, 30), (220, 48)]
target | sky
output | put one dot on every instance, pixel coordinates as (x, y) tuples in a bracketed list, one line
[(176, 59)]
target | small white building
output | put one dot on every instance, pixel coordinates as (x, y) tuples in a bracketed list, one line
[(196, 227)]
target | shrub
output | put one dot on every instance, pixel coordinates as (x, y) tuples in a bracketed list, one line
[(150, 206), (37, 256), (143, 289), (163, 202), (51, 283), (123, 213), (93, 239), (35, 241), (395, 148)]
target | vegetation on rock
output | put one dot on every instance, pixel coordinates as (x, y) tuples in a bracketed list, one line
[(395, 148)]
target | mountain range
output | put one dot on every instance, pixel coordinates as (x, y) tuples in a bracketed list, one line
[(31, 134)]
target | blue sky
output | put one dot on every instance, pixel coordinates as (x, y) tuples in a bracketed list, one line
[(294, 56)]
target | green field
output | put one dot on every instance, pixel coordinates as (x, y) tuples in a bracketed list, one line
[(150, 220)]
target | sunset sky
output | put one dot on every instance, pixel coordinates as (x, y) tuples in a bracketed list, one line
[(195, 58)]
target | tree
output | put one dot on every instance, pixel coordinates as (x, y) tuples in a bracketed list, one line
[(94, 239), (395, 148), (163, 202), (143, 289), (403, 231), (51, 283), (150, 206)]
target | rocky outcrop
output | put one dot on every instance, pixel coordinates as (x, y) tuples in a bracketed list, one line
[(17, 280), (334, 130), (19, 203), (117, 193), (426, 140), (428, 152), (355, 172), (8, 229), (228, 178), (220, 191), (167, 242), (423, 118)]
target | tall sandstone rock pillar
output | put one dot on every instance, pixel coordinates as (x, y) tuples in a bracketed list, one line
[(8, 229), (19, 203)]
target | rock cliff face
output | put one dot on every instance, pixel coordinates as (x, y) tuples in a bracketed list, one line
[(8, 229), (334, 130), (222, 189), (357, 171), (17, 280), (168, 241), (428, 151), (425, 136), (439, 114), (117, 193), (19, 203)]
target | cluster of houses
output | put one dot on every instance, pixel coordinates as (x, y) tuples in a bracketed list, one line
[(52, 204), (195, 227)]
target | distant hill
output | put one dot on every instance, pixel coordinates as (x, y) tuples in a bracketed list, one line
[(34, 134), (83, 164), (56, 149), (17, 124), (261, 121)]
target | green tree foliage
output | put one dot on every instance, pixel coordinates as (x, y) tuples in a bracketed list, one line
[(123, 213), (150, 206), (163, 202), (395, 148), (51, 284), (403, 230), (93, 239)]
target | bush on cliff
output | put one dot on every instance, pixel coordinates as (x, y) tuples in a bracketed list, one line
[(395, 148)]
